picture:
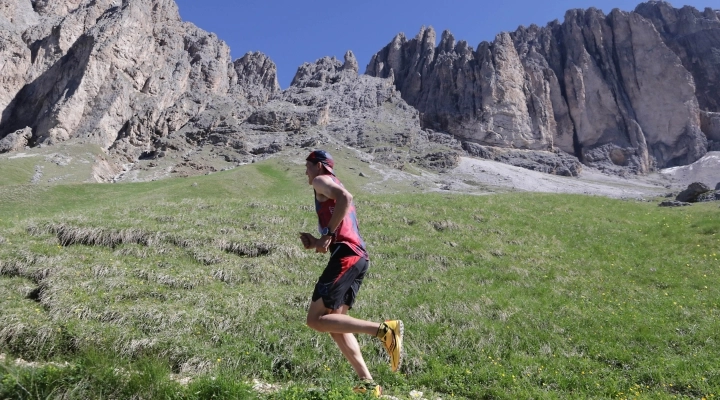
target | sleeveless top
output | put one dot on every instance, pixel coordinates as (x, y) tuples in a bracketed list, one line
[(347, 232)]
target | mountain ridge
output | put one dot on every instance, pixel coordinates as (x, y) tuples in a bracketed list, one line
[(162, 97)]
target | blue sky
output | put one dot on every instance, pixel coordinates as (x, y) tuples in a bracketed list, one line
[(294, 32)]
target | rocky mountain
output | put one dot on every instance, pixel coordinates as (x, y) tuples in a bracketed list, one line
[(328, 104), (627, 91), (161, 96), (116, 73)]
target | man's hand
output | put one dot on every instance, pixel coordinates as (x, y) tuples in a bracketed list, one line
[(311, 242), (308, 240)]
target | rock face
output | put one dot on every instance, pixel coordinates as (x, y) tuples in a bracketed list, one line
[(328, 103), (695, 37), (256, 78), (628, 91), (710, 125), (120, 74)]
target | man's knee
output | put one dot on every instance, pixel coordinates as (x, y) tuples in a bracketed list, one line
[(314, 316), (313, 322)]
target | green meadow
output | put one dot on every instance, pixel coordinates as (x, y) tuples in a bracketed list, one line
[(197, 288)]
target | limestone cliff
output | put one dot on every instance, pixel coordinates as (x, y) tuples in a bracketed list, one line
[(627, 91), (120, 74)]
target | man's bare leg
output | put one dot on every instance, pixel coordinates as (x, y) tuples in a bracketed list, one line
[(348, 344), (325, 320), (350, 348), (346, 341)]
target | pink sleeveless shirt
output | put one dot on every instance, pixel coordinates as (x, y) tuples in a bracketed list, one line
[(348, 232)]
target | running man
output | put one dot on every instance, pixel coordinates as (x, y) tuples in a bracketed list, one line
[(339, 283)]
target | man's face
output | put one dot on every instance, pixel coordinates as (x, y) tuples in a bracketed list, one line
[(312, 171)]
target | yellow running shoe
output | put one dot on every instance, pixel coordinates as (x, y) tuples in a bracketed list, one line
[(368, 386), (392, 340)]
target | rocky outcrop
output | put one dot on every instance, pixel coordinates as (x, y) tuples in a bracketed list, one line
[(477, 96), (256, 78), (15, 141), (623, 92), (713, 195), (693, 191), (15, 55), (440, 161), (327, 70)]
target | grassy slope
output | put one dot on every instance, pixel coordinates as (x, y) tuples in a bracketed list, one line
[(505, 296), (69, 162)]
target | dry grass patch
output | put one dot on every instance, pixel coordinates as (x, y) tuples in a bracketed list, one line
[(30, 266), (257, 249), (69, 235), (445, 225)]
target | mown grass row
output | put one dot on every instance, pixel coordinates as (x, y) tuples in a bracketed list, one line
[(506, 296)]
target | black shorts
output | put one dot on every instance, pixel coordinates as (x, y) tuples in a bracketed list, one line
[(341, 279)]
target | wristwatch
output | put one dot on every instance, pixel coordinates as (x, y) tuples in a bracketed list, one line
[(326, 232)]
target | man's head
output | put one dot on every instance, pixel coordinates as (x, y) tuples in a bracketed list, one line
[(319, 162)]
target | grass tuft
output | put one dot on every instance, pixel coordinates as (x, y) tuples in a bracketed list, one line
[(246, 250)]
